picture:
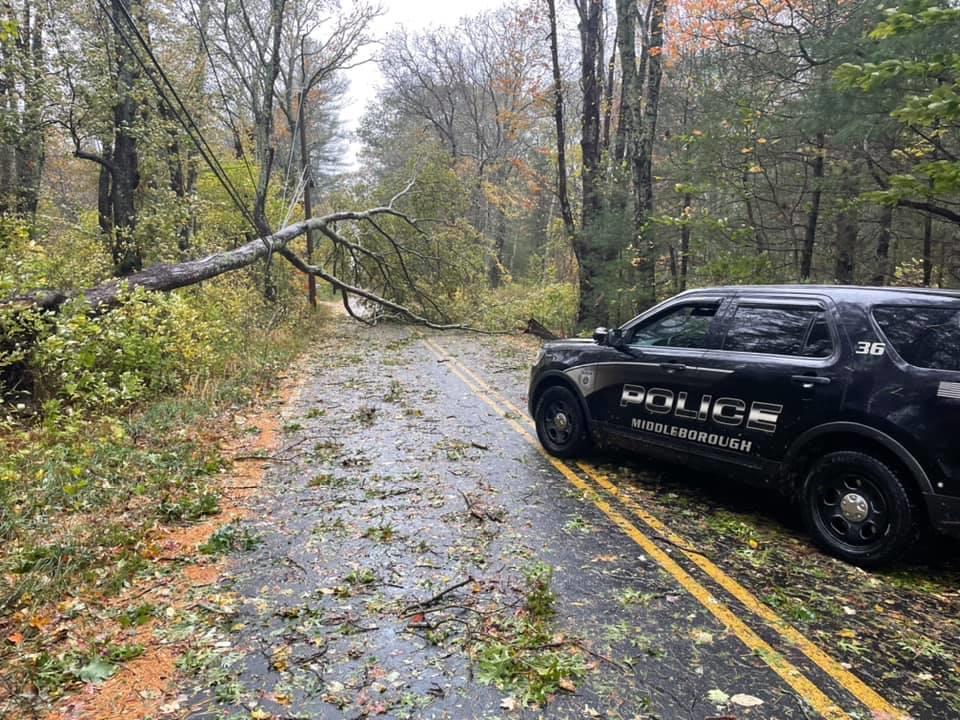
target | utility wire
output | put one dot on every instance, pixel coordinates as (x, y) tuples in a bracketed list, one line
[(189, 126)]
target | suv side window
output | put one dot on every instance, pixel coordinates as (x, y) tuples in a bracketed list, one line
[(927, 337), (686, 326), (796, 331)]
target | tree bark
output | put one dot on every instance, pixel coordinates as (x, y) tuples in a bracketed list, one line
[(307, 170), (591, 69), (813, 217), (847, 227), (22, 104), (608, 100), (882, 272), (125, 163), (927, 250), (643, 95), (685, 245), (565, 212)]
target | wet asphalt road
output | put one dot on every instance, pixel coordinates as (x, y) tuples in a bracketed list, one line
[(405, 471)]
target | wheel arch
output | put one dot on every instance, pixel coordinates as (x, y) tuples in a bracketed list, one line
[(557, 378), (845, 435)]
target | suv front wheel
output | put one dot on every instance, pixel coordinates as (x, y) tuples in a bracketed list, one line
[(858, 508), (561, 424)]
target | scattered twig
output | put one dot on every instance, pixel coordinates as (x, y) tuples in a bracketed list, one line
[(443, 593), (479, 515), (149, 588), (599, 656), (297, 565), (266, 458), (427, 611)]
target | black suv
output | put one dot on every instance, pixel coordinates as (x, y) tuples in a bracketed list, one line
[(846, 398)]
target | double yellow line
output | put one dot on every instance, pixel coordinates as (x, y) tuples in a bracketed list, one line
[(799, 682)]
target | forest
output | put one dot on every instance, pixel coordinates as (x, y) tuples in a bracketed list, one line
[(177, 194)]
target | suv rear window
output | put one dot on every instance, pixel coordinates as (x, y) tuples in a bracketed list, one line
[(800, 332), (927, 337)]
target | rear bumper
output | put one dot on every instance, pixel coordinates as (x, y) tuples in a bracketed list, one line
[(944, 513)]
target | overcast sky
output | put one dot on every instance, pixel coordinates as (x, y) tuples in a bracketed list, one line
[(414, 15)]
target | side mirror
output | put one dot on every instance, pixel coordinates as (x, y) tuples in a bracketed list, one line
[(600, 335)]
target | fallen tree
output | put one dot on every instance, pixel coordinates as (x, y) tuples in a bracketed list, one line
[(166, 277)]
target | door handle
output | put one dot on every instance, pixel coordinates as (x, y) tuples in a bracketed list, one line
[(672, 366), (808, 381)]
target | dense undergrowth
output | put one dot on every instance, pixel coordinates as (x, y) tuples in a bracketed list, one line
[(108, 431)]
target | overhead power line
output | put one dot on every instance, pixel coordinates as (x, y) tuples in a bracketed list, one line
[(179, 110)]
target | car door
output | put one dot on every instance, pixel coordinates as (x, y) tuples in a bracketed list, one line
[(660, 372), (775, 372)]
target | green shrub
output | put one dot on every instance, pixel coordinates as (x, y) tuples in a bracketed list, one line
[(140, 349)]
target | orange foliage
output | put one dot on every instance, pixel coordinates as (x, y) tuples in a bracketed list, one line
[(693, 26)]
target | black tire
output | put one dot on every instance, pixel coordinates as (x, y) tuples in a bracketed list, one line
[(561, 424), (858, 508)]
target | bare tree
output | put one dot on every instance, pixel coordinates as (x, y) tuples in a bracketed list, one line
[(476, 87)]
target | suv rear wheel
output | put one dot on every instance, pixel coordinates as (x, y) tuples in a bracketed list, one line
[(858, 508), (561, 425)]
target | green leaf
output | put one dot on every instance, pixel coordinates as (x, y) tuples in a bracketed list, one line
[(718, 697), (97, 670)]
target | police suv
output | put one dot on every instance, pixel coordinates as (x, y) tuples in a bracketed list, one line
[(846, 398)]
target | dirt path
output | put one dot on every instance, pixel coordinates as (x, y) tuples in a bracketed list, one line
[(409, 544)]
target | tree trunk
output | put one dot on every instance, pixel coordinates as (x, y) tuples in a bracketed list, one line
[(22, 102), (813, 217), (631, 82), (882, 272), (927, 249), (104, 206), (608, 100), (495, 266), (162, 278), (591, 68), (685, 245), (565, 213), (307, 169), (30, 148), (125, 172), (644, 99), (847, 227)]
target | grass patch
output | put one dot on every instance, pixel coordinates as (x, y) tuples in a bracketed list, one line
[(83, 488), (228, 538)]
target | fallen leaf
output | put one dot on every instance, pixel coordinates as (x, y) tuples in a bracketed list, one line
[(702, 637), (567, 685), (718, 697), (39, 622), (15, 638), (744, 700), (509, 703), (847, 633)]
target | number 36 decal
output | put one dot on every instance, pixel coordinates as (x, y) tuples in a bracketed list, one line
[(869, 348)]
